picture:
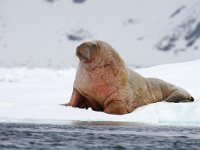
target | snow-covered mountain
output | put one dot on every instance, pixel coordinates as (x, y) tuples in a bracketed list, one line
[(45, 33), (186, 33)]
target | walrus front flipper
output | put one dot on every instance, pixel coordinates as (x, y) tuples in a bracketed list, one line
[(77, 100), (179, 96)]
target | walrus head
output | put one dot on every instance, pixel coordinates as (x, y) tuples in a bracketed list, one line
[(97, 54), (87, 51)]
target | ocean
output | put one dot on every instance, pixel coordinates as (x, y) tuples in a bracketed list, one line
[(97, 135)]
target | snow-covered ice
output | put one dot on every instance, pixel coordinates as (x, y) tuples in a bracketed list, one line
[(35, 95)]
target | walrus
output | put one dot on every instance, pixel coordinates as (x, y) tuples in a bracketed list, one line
[(104, 83)]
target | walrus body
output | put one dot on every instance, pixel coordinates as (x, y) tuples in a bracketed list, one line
[(104, 83)]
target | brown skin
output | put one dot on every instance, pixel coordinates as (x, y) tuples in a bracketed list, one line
[(104, 83)]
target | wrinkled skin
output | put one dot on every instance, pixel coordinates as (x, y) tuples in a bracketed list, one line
[(104, 83)]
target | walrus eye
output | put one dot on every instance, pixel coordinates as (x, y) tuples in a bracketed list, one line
[(93, 50)]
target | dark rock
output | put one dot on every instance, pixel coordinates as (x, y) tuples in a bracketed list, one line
[(177, 11), (78, 35), (74, 37), (193, 36), (50, 1), (78, 1), (168, 42)]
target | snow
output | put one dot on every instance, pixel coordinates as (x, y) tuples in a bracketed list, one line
[(35, 95)]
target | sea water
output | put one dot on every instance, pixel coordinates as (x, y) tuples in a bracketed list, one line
[(97, 135)]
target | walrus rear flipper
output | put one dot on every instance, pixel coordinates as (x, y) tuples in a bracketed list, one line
[(179, 96), (191, 99)]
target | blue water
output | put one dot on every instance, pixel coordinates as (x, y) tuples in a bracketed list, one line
[(97, 135)]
